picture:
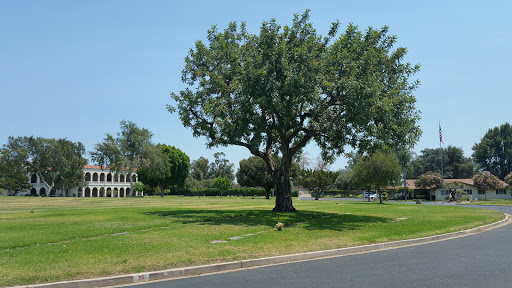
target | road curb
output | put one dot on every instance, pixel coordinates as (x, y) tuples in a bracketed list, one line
[(251, 263)]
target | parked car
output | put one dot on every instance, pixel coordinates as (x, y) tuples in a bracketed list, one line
[(370, 195)]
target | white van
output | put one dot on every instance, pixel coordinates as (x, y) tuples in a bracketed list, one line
[(370, 195)]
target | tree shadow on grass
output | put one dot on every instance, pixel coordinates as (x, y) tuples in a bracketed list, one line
[(309, 220)]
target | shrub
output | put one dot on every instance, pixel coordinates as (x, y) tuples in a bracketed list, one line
[(399, 193), (384, 196), (422, 197)]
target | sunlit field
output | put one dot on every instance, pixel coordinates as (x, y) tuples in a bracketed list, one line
[(55, 239)]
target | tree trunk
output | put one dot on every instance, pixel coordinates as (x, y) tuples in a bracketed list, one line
[(283, 188), (131, 185), (452, 195), (283, 197), (267, 193), (405, 185), (162, 191), (48, 186), (380, 197)]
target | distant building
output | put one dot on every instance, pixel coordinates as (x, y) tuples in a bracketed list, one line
[(470, 190), (100, 182)]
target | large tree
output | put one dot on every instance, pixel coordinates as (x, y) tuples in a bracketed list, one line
[(199, 169), (377, 171), (13, 177), (72, 178), (126, 152), (220, 167), (167, 166), (344, 180), (55, 161), (494, 152), (253, 172), (455, 164), (274, 92), (13, 181)]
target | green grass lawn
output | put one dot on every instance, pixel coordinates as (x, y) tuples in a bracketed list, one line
[(55, 239)]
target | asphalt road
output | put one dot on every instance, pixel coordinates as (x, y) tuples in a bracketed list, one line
[(480, 260)]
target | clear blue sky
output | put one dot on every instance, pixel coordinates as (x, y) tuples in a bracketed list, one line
[(75, 69)]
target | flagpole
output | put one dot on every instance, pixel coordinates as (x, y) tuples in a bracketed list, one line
[(441, 149)]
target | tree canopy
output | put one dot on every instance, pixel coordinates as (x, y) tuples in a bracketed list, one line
[(126, 152), (275, 92), (222, 183), (317, 181), (486, 180), (72, 178), (455, 164), (376, 171), (428, 180), (494, 152), (253, 172), (344, 179), (167, 166), (199, 169), (221, 167), (58, 162), (13, 178)]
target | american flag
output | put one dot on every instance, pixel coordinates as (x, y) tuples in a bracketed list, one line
[(440, 134)]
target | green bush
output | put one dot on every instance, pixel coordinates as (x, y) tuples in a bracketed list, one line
[(422, 197), (295, 193), (384, 196), (399, 193)]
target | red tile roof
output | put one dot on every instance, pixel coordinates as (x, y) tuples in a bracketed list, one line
[(101, 167), (96, 167)]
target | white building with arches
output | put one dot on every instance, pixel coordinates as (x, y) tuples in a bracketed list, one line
[(100, 182)]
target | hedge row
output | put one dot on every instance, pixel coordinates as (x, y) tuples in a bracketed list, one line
[(244, 192), (216, 192), (334, 192)]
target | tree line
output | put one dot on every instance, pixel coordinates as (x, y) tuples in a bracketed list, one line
[(59, 163), (162, 167)]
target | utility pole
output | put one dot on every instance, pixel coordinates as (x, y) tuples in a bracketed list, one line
[(441, 142)]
